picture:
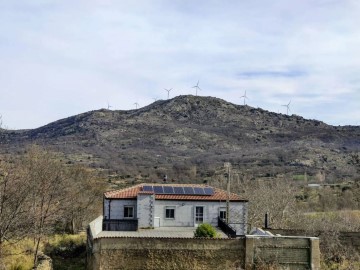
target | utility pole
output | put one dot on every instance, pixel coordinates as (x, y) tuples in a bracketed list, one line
[(228, 166)]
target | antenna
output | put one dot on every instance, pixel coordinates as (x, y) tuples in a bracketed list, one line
[(287, 107), (245, 97), (228, 166), (196, 87), (168, 90), (136, 104)]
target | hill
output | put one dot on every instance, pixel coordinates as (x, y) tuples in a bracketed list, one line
[(192, 136)]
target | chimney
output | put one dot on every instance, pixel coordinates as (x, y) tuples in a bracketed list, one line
[(267, 216)]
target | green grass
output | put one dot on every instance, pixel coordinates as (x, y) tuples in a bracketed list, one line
[(68, 252)]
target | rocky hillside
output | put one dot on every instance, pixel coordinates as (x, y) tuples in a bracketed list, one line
[(191, 136)]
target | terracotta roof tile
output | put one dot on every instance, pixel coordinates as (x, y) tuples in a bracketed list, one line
[(132, 192)]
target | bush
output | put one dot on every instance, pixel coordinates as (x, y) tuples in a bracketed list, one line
[(66, 246), (205, 230)]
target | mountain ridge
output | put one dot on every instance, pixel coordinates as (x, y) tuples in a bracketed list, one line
[(177, 135)]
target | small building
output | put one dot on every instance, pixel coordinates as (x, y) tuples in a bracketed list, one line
[(173, 205)]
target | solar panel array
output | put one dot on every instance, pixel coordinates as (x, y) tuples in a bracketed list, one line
[(176, 190)]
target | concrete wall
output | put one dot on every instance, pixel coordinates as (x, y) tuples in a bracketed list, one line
[(296, 253), (166, 253), (349, 239), (250, 252)]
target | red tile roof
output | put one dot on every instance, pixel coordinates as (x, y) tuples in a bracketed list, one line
[(132, 192)]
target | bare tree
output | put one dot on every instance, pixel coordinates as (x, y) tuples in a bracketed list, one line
[(277, 197), (14, 202), (49, 192), (85, 192)]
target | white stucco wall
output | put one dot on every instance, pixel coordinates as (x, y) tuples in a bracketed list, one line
[(185, 212), (145, 210), (148, 210), (117, 208)]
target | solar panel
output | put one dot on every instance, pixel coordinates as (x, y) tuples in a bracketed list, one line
[(158, 190), (189, 190), (148, 188), (168, 190), (199, 191), (178, 190), (208, 191)]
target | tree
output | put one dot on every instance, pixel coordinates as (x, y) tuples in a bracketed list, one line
[(38, 192), (14, 202), (85, 191), (49, 192), (277, 197)]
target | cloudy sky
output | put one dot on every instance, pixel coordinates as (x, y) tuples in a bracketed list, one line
[(61, 58)]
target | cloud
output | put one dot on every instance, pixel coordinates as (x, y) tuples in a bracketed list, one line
[(61, 58)]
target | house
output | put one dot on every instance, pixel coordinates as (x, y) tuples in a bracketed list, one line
[(172, 205)]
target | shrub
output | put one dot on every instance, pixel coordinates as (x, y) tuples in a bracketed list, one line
[(205, 230), (66, 246)]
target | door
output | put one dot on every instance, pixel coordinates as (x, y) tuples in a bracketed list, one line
[(199, 215)]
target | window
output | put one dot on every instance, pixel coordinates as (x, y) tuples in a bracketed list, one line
[(128, 211), (222, 213), (170, 212), (199, 214)]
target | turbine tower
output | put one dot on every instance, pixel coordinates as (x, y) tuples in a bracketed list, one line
[(245, 97), (108, 106), (136, 104), (196, 87), (287, 107), (168, 90)]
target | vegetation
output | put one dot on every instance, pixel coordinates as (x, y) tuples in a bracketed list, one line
[(274, 158), (190, 137), (39, 195), (291, 206), (68, 252), (205, 230)]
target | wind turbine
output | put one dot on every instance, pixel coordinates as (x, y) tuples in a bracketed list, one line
[(108, 106), (168, 90), (245, 97), (196, 88), (287, 107), (136, 104)]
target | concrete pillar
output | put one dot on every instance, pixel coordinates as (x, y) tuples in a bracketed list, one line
[(249, 252), (314, 253)]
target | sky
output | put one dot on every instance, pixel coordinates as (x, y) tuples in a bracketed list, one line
[(62, 58)]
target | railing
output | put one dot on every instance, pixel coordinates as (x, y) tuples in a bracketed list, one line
[(226, 228), (120, 224)]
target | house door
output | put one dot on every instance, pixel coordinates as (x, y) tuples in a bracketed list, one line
[(199, 215)]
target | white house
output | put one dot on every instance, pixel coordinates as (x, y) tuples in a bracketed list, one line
[(172, 205)]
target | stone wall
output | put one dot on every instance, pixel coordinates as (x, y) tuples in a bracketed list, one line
[(249, 252), (190, 253), (166, 253)]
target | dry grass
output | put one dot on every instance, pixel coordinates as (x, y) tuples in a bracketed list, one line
[(19, 256)]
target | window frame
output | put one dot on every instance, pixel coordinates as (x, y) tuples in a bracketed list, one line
[(173, 212), (133, 211), (222, 210)]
